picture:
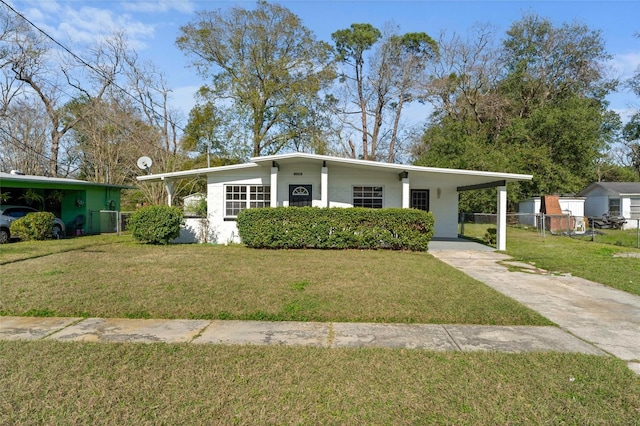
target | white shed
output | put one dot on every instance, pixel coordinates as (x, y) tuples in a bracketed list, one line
[(573, 206)]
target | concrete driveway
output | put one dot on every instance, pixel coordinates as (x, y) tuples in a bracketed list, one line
[(601, 315)]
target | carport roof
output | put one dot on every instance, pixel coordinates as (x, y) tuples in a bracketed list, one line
[(26, 179), (464, 179)]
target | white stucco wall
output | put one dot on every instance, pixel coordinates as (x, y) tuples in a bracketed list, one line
[(443, 199), (225, 231), (625, 211), (302, 174)]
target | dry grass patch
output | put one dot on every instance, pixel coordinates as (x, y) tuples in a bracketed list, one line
[(125, 279), (606, 263), (593, 261), (71, 383)]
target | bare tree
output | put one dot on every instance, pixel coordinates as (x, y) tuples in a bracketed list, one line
[(397, 78), (24, 121), (351, 43), (378, 92), (465, 75), (34, 66)]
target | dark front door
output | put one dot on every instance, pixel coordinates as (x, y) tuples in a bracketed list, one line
[(300, 195), (420, 199)]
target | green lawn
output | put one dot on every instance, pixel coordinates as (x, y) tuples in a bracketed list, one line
[(604, 262), (50, 382), (111, 276)]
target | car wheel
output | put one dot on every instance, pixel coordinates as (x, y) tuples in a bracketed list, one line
[(4, 236), (57, 231)]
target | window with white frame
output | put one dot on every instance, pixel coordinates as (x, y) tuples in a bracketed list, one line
[(614, 206), (367, 196), (240, 197)]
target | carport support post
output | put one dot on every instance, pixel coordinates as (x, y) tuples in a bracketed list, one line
[(274, 186), (406, 193), (324, 186), (501, 228), (170, 187)]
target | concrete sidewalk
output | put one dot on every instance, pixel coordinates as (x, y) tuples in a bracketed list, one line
[(331, 335), (601, 315), (593, 319)]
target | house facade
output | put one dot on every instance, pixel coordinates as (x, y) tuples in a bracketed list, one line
[(81, 205), (615, 199), (299, 179)]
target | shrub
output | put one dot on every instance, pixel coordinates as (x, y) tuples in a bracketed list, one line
[(34, 226), (491, 236), (155, 224), (336, 228)]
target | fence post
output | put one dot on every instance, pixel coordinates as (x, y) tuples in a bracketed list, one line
[(542, 229)]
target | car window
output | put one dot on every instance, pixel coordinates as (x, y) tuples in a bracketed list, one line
[(17, 212)]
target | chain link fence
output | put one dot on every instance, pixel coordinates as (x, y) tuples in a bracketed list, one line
[(105, 222), (586, 228)]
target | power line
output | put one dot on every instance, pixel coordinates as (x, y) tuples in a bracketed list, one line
[(25, 145), (93, 68)]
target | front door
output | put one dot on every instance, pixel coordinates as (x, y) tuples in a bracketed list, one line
[(420, 199), (300, 195)]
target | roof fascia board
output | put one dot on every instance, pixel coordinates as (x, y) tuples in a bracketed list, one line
[(195, 172), (393, 166), (481, 186), (27, 179)]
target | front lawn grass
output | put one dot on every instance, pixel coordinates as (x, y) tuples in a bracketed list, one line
[(116, 277), (48, 382), (603, 262)]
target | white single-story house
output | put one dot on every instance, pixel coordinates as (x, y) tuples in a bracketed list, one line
[(615, 199), (298, 179)]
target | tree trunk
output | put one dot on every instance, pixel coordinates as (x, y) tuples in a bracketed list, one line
[(363, 108)]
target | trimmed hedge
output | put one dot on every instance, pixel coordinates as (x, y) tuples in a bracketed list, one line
[(336, 228), (34, 226), (155, 224)]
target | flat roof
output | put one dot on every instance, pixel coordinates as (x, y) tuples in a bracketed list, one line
[(466, 177), (12, 177)]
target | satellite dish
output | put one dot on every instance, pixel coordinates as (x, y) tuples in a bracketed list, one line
[(144, 163)]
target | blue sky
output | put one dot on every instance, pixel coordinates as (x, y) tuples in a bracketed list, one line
[(153, 25)]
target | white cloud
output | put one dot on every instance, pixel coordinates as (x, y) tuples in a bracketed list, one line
[(75, 23), (625, 64), (625, 113), (158, 6)]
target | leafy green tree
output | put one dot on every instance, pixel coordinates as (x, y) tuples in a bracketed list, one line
[(631, 135), (201, 132), (534, 105), (631, 131), (351, 43), (546, 62), (261, 62)]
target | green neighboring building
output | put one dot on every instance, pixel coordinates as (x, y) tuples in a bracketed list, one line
[(83, 206)]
